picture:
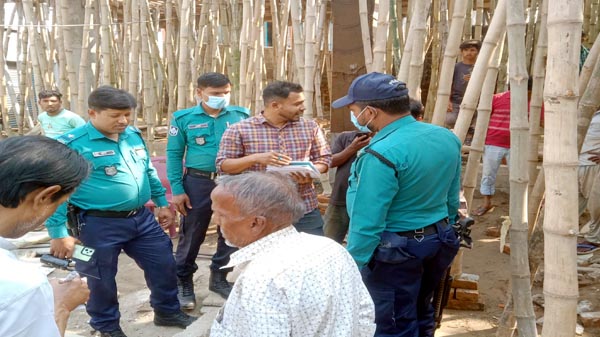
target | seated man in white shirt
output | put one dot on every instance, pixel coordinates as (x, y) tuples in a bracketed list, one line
[(292, 284), (37, 174)]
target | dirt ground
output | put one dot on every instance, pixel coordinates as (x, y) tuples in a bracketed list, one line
[(485, 260)]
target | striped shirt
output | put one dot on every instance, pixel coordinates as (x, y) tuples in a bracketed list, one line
[(301, 140), (498, 133)]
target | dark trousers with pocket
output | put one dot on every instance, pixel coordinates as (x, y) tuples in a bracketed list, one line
[(193, 227), (402, 276), (142, 239)]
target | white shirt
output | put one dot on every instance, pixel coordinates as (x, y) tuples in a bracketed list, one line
[(591, 143), (26, 300), (296, 284)]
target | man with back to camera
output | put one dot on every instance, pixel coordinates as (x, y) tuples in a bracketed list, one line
[(195, 134), (292, 284), (110, 212), (403, 192), (55, 119), (37, 174), (276, 137)]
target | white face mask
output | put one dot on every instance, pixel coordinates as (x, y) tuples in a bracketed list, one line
[(218, 102)]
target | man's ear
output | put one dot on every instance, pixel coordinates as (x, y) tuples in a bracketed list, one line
[(259, 224), (45, 196), (92, 113)]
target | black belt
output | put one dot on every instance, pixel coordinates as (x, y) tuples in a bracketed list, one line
[(427, 230), (201, 174), (112, 214)]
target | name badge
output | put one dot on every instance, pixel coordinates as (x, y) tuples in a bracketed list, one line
[(197, 126), (200, 140), (110, 170), (103, 153)]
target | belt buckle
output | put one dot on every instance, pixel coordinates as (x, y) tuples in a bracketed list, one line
[(419, 234), (212, 175), (131, 213)]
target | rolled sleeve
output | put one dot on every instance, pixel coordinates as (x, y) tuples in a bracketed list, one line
[(320, 152)]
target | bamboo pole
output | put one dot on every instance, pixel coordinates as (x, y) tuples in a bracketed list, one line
[(184, 54), (85, 51), (491, 41), (134, 56), (62, 64), (3, 110), (595, 15), (532, 23), (278, 46), (126, 51), (72, 58), (296, 12), (259, 38), (560, 168), (484, 110), (246, 19), (395, 34), (148, 80), (381, 36), (363, 12), (537, 92), (105, 38), (478, 20), (37, 60), (588, 104), (309, 57), (170, 56), (589, 64), (418, 56), (518, 175), (447, 70), (468, 30)]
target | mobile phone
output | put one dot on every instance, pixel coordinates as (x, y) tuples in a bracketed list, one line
[(360, 134)]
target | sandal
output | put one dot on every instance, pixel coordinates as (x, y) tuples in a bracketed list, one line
[(587, 248), (483, 210)]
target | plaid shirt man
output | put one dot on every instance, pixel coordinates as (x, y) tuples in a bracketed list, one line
[(301, 140)]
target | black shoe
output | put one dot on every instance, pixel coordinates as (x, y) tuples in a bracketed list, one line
[(179, 319), (185, 293), (114, 333), (218, 283)]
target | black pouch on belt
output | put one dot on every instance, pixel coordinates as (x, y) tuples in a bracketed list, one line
[(73, 222)]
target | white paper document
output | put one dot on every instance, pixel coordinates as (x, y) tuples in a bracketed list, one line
[(304, 167)]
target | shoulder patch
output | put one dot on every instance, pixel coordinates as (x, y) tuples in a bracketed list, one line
[(173, 130)]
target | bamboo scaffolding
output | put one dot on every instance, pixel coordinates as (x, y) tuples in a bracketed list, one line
[(532, 21), (62, 64), (589, 64), (560, 168), (447, 70), (395, 33), (105, 39), (435, 59), (491, 41), (537, 92), (148, 79), (296, 13), (3, 108), (478, 20), (71, 39), (588, 104), (365, 29), (244, 46), (38, 60), (468, 29), (259, 38)]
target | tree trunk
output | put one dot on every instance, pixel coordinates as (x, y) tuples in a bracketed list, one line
[(561, 216), (447, 70)]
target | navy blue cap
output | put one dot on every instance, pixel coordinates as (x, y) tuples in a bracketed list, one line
[(372, 87)]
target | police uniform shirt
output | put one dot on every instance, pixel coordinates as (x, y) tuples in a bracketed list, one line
[(122, 177), (200, 134)]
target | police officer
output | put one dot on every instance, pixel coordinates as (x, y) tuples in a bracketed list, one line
[(111, 216), (196, 133), (403, 189)]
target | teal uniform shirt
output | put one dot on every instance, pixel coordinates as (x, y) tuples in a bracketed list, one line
[(200, 134), (425, 190), (122, 177)]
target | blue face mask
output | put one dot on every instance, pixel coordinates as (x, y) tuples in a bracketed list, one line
[(354, 119), (218, 102)]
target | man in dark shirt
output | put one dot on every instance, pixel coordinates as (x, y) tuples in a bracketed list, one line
[(462, 74), (344, 150)]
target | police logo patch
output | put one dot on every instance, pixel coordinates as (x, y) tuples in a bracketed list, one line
[(110, 170), (173, 131), (200, 140)]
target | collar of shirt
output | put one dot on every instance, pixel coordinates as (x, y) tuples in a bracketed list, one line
[(261, 246), (260, 119), (200, 111), (393, 126), (95, 134)]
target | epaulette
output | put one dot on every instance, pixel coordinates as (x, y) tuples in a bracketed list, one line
[(72, 135), (180, 113)]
